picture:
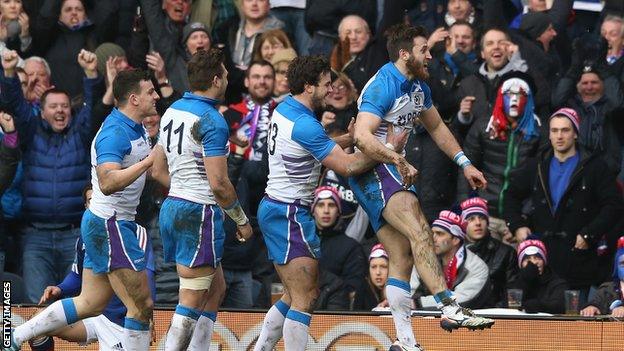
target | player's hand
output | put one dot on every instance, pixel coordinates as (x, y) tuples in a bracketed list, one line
[(50, 293), (328, 118), (465, 106), (590, 311), (9, 62), (243, 232), (7, 123), (475, 177), (398, 140), (407, 171), (88, 61)]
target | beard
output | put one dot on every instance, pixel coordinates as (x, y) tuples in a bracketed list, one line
[(318, 103), (417, 69)]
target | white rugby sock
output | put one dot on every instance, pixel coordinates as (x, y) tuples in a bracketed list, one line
[(58, 315), (202, 335), (399, 299), (272, 327), (136, 336), (181, 328), (296, 328)]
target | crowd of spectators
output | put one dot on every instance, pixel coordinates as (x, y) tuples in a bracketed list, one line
[(532, 89)]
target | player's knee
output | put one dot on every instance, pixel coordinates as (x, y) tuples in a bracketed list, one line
[(197, 283)]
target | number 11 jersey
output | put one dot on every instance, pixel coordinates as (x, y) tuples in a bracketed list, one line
[(190, 130)]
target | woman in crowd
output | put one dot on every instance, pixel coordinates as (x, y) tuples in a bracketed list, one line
[(268, 43), (341, 105), (280, 61), (371, 294)]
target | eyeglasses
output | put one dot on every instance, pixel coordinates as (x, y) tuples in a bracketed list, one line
[(339, 88)]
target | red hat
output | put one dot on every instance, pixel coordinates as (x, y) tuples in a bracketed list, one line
[(378, 251), (531, 247), (475, 205), (569, 114), (326, 192), (450, 222)]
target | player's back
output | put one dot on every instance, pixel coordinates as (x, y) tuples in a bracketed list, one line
[(297, 144), (183, 130)]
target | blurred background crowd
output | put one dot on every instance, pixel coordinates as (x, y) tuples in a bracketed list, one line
[(499, 69)]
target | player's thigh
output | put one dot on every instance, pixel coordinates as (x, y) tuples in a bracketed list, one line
[(95, 294), (403, 213), (399, 252), (216, 294)]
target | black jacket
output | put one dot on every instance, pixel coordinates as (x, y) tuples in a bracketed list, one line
[(590, 206), (325, 15), (333, 295), (604, 297), (502, 263), (343, 257), (366, 297), (541, 293), (490, 156), (9, 158)]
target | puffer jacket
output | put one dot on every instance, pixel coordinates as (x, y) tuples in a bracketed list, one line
[(496, 159), (503, 265), (56, 165)]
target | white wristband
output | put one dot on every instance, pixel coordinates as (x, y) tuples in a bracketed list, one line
[(461, 160), (236, 213)]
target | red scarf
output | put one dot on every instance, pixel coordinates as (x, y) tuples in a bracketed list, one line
[(450, 271)]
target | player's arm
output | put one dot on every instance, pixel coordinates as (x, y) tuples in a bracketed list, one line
[(160, 168), (111, 178), (445, 140), (222, 188)]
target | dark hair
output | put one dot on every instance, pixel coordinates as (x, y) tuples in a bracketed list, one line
[(84, 192), (401, 37), (306, 70), (261, 63), (128, 82), (203, 67), (498, 29), (334, 128), (464, 23), (52, 91)]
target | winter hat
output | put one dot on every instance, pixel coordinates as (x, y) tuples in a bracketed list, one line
[(569, 114), (450, 222), (618, 272), (378, 251), (475, 205), (286, 55), (192, 28), (104, 52), (531, 247), (326, 192), (535, 23)]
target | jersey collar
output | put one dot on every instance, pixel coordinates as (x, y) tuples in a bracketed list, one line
[(191, 96), (290, 100), (405, 84), (120, 116)]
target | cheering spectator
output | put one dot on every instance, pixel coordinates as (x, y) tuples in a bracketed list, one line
[(542, 289), (498, 146), (14, 28), (500, 258), (466, 274), (56, 169), (612, 29), (574, 202), (609, 299), (38, 80), (341, 106), (371, 293)]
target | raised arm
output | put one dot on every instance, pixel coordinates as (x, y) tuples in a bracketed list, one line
[(12, 96)]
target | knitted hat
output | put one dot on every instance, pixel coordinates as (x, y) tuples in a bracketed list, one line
[(569, 114), (378, 251), (104, 52), (286, 55), (618, 257), (535, 23), (475, 205), (450, 222), (192, 28), (531, 247), (326, 192)]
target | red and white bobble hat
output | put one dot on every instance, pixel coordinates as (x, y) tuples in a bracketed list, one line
[(474, 205), (451, 222), (531, 247)]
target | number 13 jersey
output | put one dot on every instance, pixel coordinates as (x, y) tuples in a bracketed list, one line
[(190, 130)]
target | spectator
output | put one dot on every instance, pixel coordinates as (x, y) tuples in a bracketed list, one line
[(280, 61), (574, 202), (56, 169), (506, 141), (371, 293), (609, 299), (268, 43), (453, 59), (478, 92), (596, 96), (292, 13), (39, 76), (14, 28), (341, 106), (9, 152), (612, 30), (322, 18), (542, 289), (466, 274), (500, 258), (460, 10), (63, 28), (342, 256), (165, 25), (537, 33)]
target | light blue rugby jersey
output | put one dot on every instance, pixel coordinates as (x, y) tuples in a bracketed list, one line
[(394, 99)]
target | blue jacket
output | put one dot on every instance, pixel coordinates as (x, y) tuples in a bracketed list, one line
[(56, 165)]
